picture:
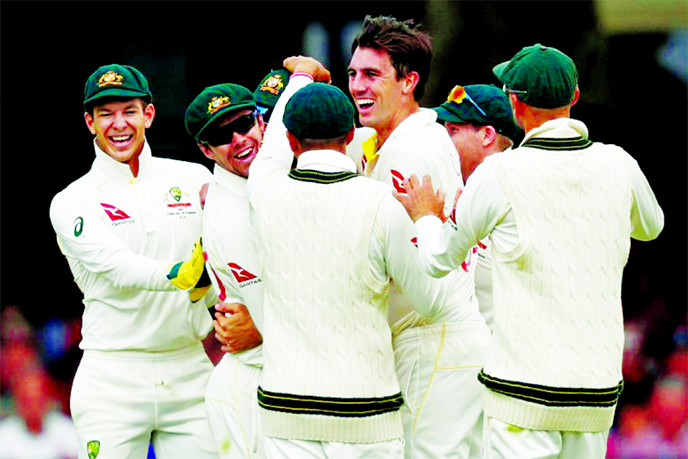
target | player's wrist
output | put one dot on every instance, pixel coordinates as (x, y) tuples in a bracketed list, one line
[(303, 73)]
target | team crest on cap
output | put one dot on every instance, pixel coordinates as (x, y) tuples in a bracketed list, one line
[(110, 78), (273, 84), (457, 95), (218, 103)]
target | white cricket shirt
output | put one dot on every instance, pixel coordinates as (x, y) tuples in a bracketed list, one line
[(120, 234)]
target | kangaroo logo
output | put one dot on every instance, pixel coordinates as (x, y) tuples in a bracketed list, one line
[(114, 213), (240, 274), (398, 182)]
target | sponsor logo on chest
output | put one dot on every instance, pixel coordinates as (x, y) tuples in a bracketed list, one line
[(175, 202), (116, 215)]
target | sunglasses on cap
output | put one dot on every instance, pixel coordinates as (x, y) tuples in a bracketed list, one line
[(224, 135), (513, 91)]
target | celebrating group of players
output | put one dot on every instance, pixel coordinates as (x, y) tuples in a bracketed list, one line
[(371, 300)]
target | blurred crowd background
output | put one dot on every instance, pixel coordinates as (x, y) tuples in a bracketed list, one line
[(632, 57)]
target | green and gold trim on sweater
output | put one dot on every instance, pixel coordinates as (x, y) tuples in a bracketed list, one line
[(553, 396), (328, 406), (576, 143), (304, 175)]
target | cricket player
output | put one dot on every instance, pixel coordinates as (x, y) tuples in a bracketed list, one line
[(554, 373), (123, 227), (480, 123), (226, 123), (437, 358), (332, 243)]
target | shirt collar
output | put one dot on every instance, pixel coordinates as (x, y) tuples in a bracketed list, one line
[(115, 169), (560, 128), (325, 161), (229, 180)]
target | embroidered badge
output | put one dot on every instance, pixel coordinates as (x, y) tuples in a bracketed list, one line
[(109, 78), (178, 203), (93, 448), (218, 103), (176, 193), (273, 84)]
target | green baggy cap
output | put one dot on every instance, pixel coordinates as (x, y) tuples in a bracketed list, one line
[(480, 105), (116, 80), (269, 90), (214, 102), (546, 76), (319, 111)]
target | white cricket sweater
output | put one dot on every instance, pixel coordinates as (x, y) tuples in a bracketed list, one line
[(555, 362), (329, 365)]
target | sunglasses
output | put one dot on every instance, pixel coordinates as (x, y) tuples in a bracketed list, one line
[(512, 91), (225, 134), (475, 104)]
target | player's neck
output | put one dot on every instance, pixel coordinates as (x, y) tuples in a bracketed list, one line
[(134, 166), (403, 112)]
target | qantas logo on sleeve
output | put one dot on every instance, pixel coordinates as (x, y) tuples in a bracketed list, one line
[(241, 275), (223, 292), (114, 213), (398, 182)]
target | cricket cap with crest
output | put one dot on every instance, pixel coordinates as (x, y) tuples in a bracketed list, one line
[(117, 81), (214, 102)]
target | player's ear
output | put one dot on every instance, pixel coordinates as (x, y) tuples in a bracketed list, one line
[(488, 135), (576, 95), (294, 144), (207, 151), (148, 115), (410, 82), (89, 122), (350, 134), (261, 122)]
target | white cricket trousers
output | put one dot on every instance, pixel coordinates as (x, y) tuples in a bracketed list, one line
[(231, 401), (120, 401), (437, 367), (279, 448), (504, 441)]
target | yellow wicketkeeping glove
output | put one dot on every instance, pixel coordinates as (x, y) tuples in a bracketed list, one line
[(186, 274), (202, 286)]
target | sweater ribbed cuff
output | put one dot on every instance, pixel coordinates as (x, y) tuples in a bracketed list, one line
[(371, 429), (538, 417)]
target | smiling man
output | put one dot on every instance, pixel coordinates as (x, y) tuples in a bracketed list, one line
[(123, 228), (228, 129), (225, 122), (437, 358)]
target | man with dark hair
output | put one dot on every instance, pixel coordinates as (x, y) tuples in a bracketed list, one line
[(560, 211), (332, 242), (437, 357), (408, 46), (123, 226)]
